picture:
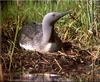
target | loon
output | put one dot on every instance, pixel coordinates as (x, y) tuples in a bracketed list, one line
[(41, 37)]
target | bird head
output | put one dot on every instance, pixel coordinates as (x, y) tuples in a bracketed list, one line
[(52, 17)]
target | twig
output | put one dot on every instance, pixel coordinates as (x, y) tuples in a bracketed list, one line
[(58, 65), (46, 60), (1, 73), (17, 27)]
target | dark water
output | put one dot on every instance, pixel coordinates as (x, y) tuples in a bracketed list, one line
[(36, 78)]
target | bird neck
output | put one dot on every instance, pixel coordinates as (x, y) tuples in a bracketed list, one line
[(47, 31)]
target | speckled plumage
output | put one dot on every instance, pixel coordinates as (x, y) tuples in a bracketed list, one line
[(41, 37)]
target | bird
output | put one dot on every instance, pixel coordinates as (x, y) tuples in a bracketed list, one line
[(42, 37)]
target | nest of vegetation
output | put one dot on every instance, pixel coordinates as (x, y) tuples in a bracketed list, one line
[(70, 61)]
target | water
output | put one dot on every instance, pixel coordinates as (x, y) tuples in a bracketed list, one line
[(36, 78)]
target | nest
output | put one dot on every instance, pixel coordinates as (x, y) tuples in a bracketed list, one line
[(69, 61)]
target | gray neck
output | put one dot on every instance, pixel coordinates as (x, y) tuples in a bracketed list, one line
[(47, 30)]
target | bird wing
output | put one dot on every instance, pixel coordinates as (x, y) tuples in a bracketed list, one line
[(31, 34)]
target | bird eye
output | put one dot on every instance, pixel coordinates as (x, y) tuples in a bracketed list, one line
[(53, 15)]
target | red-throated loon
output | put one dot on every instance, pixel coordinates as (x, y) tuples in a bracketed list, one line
[(41, 37)]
